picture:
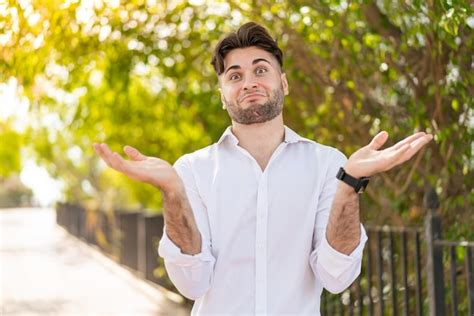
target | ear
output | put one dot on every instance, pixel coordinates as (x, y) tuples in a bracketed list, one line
[(284, 83), (222, 99)]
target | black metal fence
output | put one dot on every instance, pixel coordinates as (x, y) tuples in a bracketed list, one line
[(403, 271), (130, 238), (391, 281)]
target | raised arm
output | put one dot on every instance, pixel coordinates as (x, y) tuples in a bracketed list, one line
[(339, 236), (343, 229), (180, 223)]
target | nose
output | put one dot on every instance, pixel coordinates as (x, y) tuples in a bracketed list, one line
[(249, 83)]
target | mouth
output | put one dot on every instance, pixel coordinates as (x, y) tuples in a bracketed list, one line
[(252, 96)]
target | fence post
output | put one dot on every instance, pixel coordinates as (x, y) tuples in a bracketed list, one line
[(128, 225), (434, 255)]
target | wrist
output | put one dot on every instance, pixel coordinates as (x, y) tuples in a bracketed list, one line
[(352, 170), (358, 184), (172, 187), (347, 189)]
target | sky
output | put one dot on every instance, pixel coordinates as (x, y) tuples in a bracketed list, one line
[(46, 190)]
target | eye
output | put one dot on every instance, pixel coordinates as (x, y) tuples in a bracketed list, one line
[(234, 77), (261, 70)]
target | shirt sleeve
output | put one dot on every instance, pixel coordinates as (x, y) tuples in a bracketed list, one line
[(191, 274), (335, 270)]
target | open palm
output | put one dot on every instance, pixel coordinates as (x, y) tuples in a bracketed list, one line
[(152, 170), (369, 160)]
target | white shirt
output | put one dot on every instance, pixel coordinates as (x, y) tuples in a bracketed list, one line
[(264, 247)]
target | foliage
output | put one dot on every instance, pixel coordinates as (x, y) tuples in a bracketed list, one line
[(138, 73), (9, 150), (14, 194)]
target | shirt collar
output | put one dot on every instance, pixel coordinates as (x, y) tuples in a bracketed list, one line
[(290, 136), (228, 134)]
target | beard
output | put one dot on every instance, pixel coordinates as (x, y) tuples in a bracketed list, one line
[(257, 112)]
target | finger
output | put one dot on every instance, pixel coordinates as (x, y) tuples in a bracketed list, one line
[(413, 148), (110, 157), (106, 152), (133, 153), (96, 148), (408, 140), (378, 140), (118, 163), (392, 158)]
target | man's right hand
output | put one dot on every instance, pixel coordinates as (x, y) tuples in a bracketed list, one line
[(139, 167)]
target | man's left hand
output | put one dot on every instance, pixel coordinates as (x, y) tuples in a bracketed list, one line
[(369, 160)]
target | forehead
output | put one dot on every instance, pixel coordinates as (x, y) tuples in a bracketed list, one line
[(245, 56)]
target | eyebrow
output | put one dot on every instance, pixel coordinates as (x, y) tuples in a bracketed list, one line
[(255, 61)]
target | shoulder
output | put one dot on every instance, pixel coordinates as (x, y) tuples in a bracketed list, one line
[(321, 151), (200, 158)]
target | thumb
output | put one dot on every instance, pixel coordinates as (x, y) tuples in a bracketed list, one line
[(133, 153), (378, 140)]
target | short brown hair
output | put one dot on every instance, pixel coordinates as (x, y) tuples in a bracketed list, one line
[(249, 34)]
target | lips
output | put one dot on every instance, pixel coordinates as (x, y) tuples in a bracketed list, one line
[(250, 95)]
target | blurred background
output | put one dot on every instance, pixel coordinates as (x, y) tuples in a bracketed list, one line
[(138, 72)]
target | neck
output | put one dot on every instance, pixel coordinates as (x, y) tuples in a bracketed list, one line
[(260, 139)]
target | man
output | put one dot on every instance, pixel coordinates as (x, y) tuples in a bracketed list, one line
[(262, 220)]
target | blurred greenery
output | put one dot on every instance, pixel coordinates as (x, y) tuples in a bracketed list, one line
[(138, 73), (14, 194), (10, 150)]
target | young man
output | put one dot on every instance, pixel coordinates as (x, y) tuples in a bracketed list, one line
[(262, 220)]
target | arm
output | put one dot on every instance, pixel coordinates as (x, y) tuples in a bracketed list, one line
[(337, 257), (343, 231), (334, 269), (180, 223), (185, 244)]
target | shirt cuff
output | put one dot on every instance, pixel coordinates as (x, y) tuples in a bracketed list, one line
[(168, 250), (337, 263)]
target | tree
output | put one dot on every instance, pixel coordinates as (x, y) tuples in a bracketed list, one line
[(139, 73)]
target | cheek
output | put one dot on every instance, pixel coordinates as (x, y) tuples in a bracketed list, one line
[(231, 92)]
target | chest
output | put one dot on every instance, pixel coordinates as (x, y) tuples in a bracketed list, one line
[(247, 207)]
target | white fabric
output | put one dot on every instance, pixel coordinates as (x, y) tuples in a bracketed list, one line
[(264, 248)]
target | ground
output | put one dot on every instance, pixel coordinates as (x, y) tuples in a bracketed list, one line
[(44, 270)]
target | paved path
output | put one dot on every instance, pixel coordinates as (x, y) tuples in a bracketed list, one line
[(45, 271)]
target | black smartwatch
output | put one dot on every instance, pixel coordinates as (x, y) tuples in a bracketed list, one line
[(359, 185)]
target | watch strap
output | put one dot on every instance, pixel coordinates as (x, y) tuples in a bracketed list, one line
[(359, 184)]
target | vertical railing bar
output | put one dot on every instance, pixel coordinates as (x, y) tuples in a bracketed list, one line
[(419, 303), (341, 306), (470, 280), (393, 277), (360, 297), (323, 303), (406, 309), (369, 275), (332, 306), (351, 306), (329, 305), (434, 267), (453, 270), (380, 271)]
